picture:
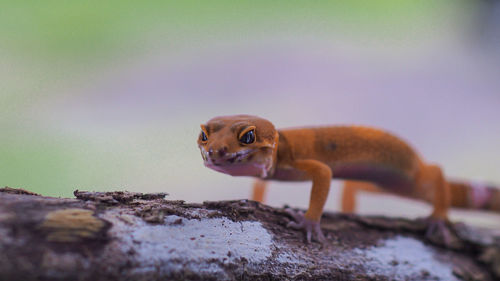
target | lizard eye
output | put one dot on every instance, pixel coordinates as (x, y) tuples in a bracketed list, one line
[(247, 136), (203, 136)]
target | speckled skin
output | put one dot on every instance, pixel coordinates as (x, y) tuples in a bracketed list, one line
[(357, 153), (379, 159)]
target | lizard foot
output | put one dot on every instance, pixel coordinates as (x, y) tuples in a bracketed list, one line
[(310, 227), (439, 232)]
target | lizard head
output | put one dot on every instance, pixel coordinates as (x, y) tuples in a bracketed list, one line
[(239, 145)]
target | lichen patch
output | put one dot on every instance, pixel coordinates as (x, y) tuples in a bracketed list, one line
[(181, 242), (404, 257), (71, 225)]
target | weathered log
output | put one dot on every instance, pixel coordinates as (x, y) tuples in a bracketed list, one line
[(134, 236)]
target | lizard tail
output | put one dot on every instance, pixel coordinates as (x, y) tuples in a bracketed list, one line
[(473, 195)]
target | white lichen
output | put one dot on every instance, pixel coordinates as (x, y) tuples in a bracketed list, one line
[(182, 243), (402, 256)]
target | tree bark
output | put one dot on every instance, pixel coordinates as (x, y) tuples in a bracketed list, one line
[(134, 236)]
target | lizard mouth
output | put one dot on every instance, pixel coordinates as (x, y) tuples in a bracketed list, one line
[(240, 156), (238, 164), (230, 159), (239, 169)]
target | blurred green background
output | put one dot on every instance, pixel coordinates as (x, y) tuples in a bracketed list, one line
[(109, 95)]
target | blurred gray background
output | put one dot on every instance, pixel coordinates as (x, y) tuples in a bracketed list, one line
[(109, 96)]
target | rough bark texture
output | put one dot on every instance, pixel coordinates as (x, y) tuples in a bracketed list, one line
[(133, 236)]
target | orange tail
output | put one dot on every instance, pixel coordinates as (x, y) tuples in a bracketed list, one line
[(472, 195)]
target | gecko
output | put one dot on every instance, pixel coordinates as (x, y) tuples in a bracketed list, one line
[(246, 145)]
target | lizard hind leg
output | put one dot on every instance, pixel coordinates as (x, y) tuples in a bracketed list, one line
[(432, 180), (433, 177), (350, 190)]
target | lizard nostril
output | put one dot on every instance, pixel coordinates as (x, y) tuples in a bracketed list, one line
[(222, 151)]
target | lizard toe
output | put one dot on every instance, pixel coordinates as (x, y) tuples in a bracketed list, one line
[(312, 229), (296, 215), (439, 231), (294, 225), (319, 234)]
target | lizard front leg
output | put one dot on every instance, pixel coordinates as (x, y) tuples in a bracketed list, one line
[(321, 176), (259, 190)]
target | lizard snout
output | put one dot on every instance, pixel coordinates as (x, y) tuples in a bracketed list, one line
[(217, 156), (221, 152)]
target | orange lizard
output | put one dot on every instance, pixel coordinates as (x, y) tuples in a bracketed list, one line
[(244, 145)]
